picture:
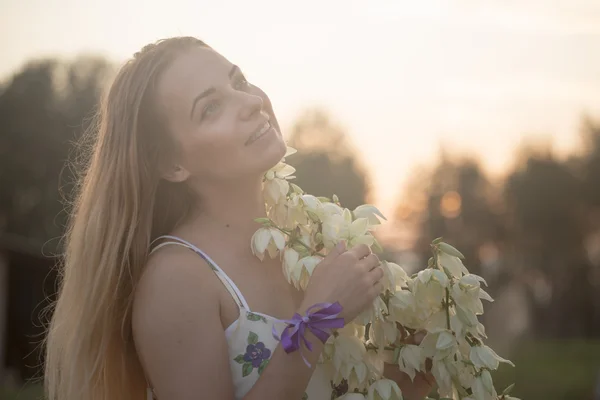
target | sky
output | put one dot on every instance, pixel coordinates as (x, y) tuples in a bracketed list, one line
[(403, 77)]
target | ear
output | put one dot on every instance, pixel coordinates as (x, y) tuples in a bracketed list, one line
[(176, 173)]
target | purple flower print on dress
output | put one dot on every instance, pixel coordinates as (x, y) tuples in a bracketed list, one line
[(256, 353), (256, 356)]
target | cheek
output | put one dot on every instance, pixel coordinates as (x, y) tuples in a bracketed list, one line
[(210, 147), (268, 107)]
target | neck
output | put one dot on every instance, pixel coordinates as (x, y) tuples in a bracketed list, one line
[(230, 209)]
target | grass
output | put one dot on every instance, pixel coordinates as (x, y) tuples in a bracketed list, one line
[(28, 392), (548, 370), (552, 370)]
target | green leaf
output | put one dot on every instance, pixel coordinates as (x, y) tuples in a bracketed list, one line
[(304, 396), (255, 317), (437, 240), (252, 338), (324, 199), (262, 366), (508, 390), (247, 369), (239, 359), (450, 250), (264, 221)]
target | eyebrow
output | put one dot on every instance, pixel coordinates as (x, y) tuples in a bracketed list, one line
[(211, 90)]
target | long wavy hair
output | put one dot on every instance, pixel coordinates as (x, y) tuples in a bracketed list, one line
[(121, 203)]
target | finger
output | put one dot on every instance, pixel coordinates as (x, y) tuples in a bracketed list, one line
[(371, 261), (377, 288), (360, 251), (339, 249), (376, 274)]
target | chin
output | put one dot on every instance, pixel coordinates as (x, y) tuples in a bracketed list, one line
[(272, 153)]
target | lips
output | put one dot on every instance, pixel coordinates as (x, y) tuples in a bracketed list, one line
[(263, 129)]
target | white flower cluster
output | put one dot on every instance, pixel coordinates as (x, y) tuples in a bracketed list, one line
[(443, 300)]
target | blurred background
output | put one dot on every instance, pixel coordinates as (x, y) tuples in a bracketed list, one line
[(475, 120)]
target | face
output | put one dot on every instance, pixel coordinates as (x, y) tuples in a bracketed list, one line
[(224, 126)]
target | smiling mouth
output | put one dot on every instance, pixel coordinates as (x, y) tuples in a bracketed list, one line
[(259, 132)]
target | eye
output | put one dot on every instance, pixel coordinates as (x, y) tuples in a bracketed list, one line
[(240, 83), (210, 108)]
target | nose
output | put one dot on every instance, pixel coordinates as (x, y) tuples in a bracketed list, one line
[(250, 106)]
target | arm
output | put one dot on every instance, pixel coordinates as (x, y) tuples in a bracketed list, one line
[(182, 345)]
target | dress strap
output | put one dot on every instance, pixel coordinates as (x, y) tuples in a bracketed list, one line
[(227, 282)]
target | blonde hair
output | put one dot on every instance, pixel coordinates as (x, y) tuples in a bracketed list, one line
[(121, 204)]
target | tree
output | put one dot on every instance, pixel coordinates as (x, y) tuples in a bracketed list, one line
[(545, 201), (454, 200), (326, 163), (43, 109)]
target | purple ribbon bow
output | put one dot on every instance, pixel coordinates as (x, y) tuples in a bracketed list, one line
[(319, 323)]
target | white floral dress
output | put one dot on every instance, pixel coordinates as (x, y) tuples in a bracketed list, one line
[(250, 339)]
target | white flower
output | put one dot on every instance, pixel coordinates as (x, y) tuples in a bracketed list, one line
[(372, 313), (331, 209), (370, 212), (382, 333), (417, 302), (484, 357), (467, 317), (411, 359), (295, 212), (312, 204), (466, 373), (347, 349), (401, 301), (376, 364), (331, 229), (352, 329), (395, 276), (452, 264), (384, 389), (443, 378), (264, 238), (446, 340), (287, 214), (276, 186), (338, 227), (275, 190), (429, 288), (437, 322), (483, 387), (352, 396), (290, 261), (300, 274), (403, 309), (467, 297), (289, 151), (348, 359)]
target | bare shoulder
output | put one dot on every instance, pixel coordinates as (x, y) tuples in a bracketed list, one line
[(174, 278), (176, 307)]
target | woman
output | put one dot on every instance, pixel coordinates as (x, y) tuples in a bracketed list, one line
[(159, 280)]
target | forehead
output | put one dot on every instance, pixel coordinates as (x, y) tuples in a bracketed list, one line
[(189, 74)]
